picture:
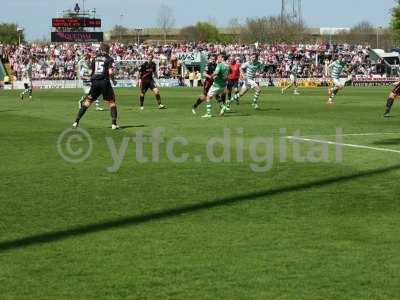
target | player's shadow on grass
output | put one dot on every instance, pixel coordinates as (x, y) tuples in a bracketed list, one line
[(387, 142), (179, 211), (236, 114), (269, 109), (351, 102), (131, 126)]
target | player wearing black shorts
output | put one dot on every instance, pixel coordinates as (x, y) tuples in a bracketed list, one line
[(146, 81), (208, 81), (393, 95), (102, 73), (234, 76), (27, 79)]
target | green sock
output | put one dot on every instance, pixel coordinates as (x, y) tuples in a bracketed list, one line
[(255, 98)]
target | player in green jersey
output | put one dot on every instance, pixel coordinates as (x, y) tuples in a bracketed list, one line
[(294, 70), (249, 72), (84, 74), (337, 68), (218, 87)]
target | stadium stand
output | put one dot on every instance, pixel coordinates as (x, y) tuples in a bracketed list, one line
[(58, 61)]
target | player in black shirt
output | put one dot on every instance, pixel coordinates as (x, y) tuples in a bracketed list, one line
[(102, 73), (146, 81), (208, 81)]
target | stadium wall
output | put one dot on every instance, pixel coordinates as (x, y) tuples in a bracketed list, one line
[(375, 80), (73, 84)]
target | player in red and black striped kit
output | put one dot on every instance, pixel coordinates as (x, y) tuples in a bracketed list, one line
[(102, 73), (208, 81), (147, 72), (233, 78), (393, 95)]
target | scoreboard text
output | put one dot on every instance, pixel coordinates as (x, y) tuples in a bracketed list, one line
[(76, 22)]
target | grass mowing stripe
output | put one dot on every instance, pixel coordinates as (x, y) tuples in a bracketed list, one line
[(175, 212)]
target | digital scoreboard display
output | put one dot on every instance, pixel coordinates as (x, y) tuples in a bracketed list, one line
[(76, 22)]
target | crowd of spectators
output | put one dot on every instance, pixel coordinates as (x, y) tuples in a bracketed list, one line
[(58, 61)]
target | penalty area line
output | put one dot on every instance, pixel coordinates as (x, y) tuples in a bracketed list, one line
[(295, 138)]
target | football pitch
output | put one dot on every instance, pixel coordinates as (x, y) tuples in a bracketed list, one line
[(281, 207)]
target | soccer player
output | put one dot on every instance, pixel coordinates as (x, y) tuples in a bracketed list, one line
[(218, 87), (294, 69), (27, 79), (233, 78), (208, 81), (392, 96), (102, 74), (147, 72), (249, 71), (84, 72), (337, 68)]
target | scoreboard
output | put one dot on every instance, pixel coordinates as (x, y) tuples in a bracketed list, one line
[(72, 29), (76, 22)]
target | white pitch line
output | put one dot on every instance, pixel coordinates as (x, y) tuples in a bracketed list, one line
[(355, 134), (342, 144), (366, 134)]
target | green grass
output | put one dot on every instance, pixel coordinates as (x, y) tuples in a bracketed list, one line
[(165, 230)]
